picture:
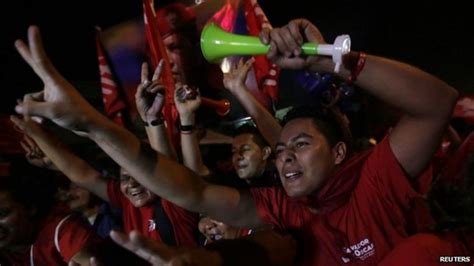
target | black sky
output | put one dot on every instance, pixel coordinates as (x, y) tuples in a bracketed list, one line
[(437, 37)]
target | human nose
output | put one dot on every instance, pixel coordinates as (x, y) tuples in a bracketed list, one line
[(132, 183), (287, 155), (170, 58)]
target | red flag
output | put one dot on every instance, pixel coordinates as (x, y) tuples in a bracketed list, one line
[(157, 52), (114, 105), (265, 72)]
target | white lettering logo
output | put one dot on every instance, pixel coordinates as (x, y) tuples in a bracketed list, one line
[(361, 250), (451, 259), (151, 225)]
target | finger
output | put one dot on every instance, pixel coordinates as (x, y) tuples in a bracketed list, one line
[(158, 70), (180, 95), (248, 64), (311, 33), (144, 76), (240, 63), (25, 147), (41, 63), (33, 108), (134, 243), (281, 44), (24, 51), (265, 36), (150, 250), (35, 96), (73, 263), (94, 262), (273, 51), (160, 88), (30, 142), (294, 31), (18, 122), (289, 39), (139, 92)]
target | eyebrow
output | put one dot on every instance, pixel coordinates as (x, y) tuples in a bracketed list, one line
[(301, 135)]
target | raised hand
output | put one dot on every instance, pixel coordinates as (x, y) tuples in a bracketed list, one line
[(59, 101), (285, 45), (35, 155), (235, 79), (159, 254), (187, 100), (149, 97), (92, 262)]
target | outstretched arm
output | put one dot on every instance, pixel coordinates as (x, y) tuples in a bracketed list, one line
[(76, 169), (425, 101), (234, 81), (61, 103), (150, 100)]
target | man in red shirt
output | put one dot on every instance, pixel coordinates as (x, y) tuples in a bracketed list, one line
[(345, 209), (142, 210), (33, 231)]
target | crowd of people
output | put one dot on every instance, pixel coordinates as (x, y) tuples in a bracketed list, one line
[(308, 196)]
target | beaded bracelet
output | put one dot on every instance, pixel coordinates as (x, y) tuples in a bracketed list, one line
[(361, 58)]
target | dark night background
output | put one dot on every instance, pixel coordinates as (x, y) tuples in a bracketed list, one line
[(435, 36)]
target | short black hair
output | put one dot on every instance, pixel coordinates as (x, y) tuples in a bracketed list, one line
[(329, 120), (257, 136)]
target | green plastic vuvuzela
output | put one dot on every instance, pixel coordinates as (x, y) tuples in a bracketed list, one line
[(217, 44)]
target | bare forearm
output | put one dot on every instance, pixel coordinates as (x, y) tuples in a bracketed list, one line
[(163, 176), (159, 140), (415, 92), (192, 155), (266, 123), (76, 169), (190, 147)]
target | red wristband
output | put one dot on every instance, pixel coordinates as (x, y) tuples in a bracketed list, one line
[(362, 57)]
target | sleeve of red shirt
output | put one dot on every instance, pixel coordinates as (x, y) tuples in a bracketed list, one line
[(185, 224), (74, 235), (421, 249), (116, 196), (275, 208), (382, 177)]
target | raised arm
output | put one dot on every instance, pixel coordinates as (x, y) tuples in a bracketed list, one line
[(150, 101), (187, 101), (426, 102), (76, 169), (61, 103), (234, 81)]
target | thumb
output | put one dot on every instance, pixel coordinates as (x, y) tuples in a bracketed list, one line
[(265, 36), (34, 108)]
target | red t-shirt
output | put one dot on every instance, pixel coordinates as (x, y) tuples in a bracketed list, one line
[(61, 236), (142, 219), (430, 249), (363, 229)]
